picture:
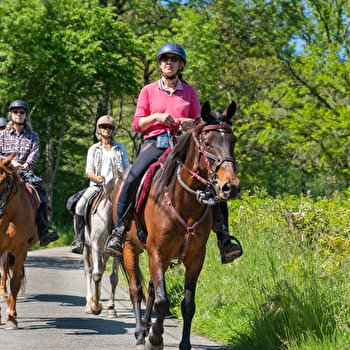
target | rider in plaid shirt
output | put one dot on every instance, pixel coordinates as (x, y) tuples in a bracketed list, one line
[(25, 144), (20, 138)]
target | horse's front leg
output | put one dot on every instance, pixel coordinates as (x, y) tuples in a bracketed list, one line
[(88, 276), (161, 304), (131, 260), (3, 290), (4, 276), (111, 312), (15, 285), (188, 306), (146, 321), (99, 266)]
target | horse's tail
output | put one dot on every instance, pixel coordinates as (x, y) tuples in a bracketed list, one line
[(140, 276), (7, 264)]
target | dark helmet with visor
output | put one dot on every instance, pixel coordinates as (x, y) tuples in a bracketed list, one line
[(19, 104), (173, 48), (3, 122)]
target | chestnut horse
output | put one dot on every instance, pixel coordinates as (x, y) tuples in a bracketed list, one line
[(177, 218), (18, 231)]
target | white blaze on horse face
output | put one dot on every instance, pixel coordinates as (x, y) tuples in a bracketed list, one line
[(229, 184)]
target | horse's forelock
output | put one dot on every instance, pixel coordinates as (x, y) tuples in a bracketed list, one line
[(218, 117)]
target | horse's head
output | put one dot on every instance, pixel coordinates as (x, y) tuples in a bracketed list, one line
[(217, 144), (6, 168)]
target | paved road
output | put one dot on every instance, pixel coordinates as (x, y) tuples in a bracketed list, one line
[(51, 311)]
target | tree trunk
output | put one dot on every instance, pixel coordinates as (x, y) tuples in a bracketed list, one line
[(52, 162)]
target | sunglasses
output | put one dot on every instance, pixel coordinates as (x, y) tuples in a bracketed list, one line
[(18, 112), (165, 58), (107, 127)]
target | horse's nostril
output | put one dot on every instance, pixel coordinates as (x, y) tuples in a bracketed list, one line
[(227, 188)]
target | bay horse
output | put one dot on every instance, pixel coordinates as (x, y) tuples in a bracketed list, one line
[(18, 231), (99, 221), (198, 172)]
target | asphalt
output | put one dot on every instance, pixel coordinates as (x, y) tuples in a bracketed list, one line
[(51, 311)]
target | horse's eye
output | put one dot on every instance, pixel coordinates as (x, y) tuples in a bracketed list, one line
[(206, 144)]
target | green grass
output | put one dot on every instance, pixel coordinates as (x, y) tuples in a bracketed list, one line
[(289, 290)]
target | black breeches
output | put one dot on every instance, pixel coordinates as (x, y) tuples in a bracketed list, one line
[(148, 155)]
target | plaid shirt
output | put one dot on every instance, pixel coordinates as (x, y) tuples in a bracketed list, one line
[(26, 146)]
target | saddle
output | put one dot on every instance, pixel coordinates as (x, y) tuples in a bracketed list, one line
[(92, 205), (34, 197)]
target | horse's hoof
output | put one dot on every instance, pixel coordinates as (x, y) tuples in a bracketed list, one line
[(96, 312), (140, 347), (11, 325), (111, 313), (96, 309), (88, 309), (149, 346)]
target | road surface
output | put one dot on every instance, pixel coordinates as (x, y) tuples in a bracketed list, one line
[(51, 311)]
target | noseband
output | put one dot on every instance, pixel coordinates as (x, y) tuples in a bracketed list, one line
[(10, 190)]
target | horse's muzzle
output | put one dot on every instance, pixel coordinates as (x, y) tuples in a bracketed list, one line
[(230, 191)]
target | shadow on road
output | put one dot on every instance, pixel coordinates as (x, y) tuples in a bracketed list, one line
[(54, 262)]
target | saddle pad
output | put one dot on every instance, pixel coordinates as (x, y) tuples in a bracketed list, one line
[(34, 197), (146, 184)]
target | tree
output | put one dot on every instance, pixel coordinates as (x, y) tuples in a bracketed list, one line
[(62, 57)]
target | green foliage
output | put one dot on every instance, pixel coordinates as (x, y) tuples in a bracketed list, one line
[(290, 289), (285, 63)]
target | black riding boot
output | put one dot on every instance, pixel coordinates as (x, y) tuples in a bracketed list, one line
[(228, 251), (79, 226), (46, 234), (115, 242)]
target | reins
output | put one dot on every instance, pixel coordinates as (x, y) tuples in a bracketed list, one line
[(9, 188), (190, 229)]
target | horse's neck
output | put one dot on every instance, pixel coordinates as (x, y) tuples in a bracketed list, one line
[(18, 201)]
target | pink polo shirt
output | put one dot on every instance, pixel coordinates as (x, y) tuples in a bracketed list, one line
[(183, 103)]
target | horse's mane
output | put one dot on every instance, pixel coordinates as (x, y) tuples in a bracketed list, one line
[(108, 189), (178, 154)]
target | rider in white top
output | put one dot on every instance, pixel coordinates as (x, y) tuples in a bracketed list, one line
[(103, 160)]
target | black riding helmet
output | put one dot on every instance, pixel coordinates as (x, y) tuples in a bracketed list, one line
[(18, 104), (3, 122), (174, 48)]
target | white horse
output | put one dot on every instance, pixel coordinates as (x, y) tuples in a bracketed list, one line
[(98, 227)]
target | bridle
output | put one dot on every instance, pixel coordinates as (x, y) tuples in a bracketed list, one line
[(210, 194), (9, 191)]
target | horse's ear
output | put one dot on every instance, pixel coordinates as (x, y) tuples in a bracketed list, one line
[(230, 110), (8, 159), (205, 110)]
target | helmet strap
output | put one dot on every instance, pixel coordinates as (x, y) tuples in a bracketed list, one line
[(172, 77), (20, 124)]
